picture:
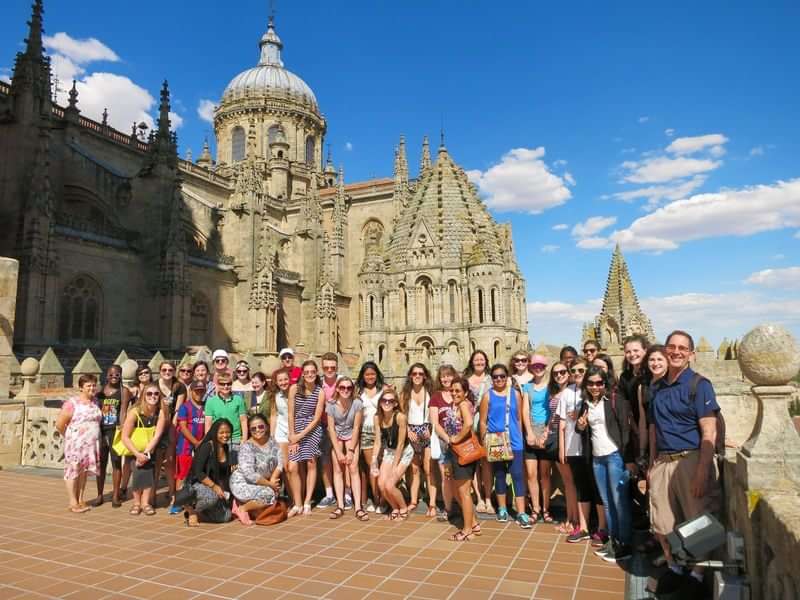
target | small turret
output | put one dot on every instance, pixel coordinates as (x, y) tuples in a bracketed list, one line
[(205, 160)]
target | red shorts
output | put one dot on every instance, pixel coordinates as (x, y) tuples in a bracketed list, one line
[(183, 464)]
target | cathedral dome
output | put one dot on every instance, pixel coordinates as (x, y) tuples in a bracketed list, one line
[(269, 77)]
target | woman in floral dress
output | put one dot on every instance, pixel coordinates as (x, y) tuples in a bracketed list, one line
[(79, 424), (256, 482)]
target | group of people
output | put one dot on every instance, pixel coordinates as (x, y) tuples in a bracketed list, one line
[(230, 442)]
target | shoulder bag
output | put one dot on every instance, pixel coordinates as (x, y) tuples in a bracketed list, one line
[(498, 445), (273, 514), (140, 437), (468, 450)]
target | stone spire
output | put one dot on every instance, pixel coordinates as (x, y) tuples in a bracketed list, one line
[(621, 315), (425, 162), (271, 46), (339, 230), (163, 111), (31, 87), (401, 164), (205, 156), (162, 141)]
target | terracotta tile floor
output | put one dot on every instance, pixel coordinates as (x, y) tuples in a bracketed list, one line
[(46, 552)]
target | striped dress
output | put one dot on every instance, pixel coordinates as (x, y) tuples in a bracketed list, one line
[(304, 408)]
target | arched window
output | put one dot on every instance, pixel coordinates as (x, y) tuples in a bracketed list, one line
[(310, 146), (480, 305), (237, 144), (493, 297), (425, 300), (496, 349), (381, 353), (384, 313), (451, 292), (79, 319), (360, 311), (404, 300), (272, 133), (199, 320), (371, 312), (469, 305)]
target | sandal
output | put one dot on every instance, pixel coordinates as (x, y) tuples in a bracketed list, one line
[(306, 510), (362, 515), (116, 503), (535, 516), (294, 511), (392, 516), (480, 507), (149, 510), (476, 529), (413, 506), (460, 536), (135, 510), (403, 515), (547, 517), (337, 512)]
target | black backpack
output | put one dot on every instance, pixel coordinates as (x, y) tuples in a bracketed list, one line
[(719, 444)]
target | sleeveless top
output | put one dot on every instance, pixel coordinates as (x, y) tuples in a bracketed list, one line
[(418, 413), (539, 403), (109, 408), (496, 419), (389, 434), (370, 408)]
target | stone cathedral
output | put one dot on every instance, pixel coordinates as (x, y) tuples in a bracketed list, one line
[(122, 243)]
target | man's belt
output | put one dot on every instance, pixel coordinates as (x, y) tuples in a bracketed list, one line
[(670, 457)]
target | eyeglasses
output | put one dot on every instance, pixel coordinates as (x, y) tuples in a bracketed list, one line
[(559, 372), (681, 349), (260, 427), (595, 384), (144, 374), (184, 370), (577, 370), (418, 374), (329, 368), (220, 360), (345, 388), (590, 350), (151, 394), (309, 373), (167, 370), (520, 360), (243, 371), (224, 384), (500, 376), (539, 366)]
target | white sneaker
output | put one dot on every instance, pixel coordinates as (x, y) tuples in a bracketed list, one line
[(370, 506)]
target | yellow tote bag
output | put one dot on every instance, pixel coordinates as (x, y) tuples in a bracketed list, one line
[(140, 438)]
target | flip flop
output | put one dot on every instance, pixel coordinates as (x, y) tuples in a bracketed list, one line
[(135, 510), (362, 515), (149, 510), (336, 513)]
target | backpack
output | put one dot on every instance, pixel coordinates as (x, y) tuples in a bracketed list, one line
[(719, 444)]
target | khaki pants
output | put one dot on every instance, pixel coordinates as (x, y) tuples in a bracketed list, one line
[(671, 499)]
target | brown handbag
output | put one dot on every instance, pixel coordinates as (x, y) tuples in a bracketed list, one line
[(273, 514), (469, 450)]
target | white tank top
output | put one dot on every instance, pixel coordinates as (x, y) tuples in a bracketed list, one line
[(370, 409), (418, 413)]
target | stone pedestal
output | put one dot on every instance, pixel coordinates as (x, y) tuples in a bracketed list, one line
[(12, 416), (9, 268)]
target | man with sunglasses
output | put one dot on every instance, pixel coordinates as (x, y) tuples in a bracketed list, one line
[(221, 359), (330, 368), (683, 477), (287, 362), (590, 350), (226, 404)]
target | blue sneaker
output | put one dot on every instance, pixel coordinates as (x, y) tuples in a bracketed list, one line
[(523, 521), (326, 502), (175, 510), (502, 515), (348, 503)]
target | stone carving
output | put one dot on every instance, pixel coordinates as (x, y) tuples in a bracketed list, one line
[(769, 355), (11, 417), (42, 445)]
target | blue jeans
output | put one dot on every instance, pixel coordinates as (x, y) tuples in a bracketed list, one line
[(612, 481)]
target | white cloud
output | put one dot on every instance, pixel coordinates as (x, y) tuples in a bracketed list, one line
[(657, 194), (690, 145), (549, 248), (175, 119), (65, 70), (80, 51), (348, 146), (205, 110), (757, 151), (644, 119), (5, 74), (560, 227), (522, 182), (669, 132), (592, 226), (593, 243), (627, 151), (714, 316), (559, 163), (787, 278), (663, 168), (126, 101), (738, 212), (569, 178)]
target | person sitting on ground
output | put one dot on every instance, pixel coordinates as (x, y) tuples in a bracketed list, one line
[(207, 498), (257, 480)]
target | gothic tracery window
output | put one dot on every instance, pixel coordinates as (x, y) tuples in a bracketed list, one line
[(451, 289), (79, 318)]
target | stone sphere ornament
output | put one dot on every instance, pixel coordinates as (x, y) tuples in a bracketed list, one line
[(29, 367), (769, 355), (129, 369)]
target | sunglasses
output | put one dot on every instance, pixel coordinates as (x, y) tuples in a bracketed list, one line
[(184, 370), (539, 366), (681, 349), (389, 400), (144, 373), (418, 374), (151, 394), (220, 360), (345, 388), (577, 371), (287, 357), (224, 384), (261, 427), (329, 368), (167, 370), (559, 372), (243, 371), (595, 384), (500, 376)]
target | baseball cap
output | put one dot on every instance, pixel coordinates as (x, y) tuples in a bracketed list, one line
[(219, 353), (286, 351)]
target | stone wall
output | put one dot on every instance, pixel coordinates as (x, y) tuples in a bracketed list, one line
[(42, 445), (11, 422)]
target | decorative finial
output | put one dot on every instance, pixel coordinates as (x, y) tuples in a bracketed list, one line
[(73, 96), (33, 43), (105, 116), (163, 110)]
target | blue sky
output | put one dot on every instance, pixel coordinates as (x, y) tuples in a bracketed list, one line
[(672, 128)]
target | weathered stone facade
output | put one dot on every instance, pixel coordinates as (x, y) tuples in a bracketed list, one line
[(123, 244)]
